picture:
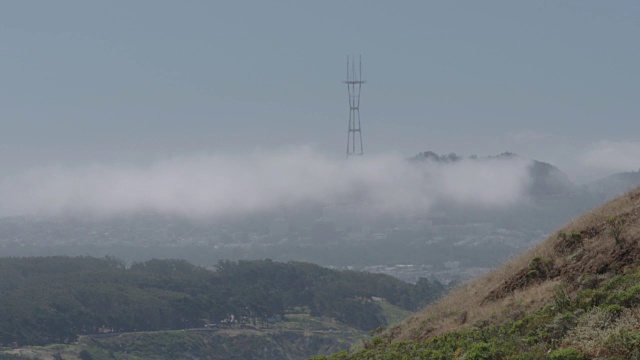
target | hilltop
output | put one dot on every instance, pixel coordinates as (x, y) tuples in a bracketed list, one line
[(575, 295), (545, 179)]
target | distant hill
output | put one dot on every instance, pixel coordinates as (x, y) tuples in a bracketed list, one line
[(432, 156), (576, 295), (615, 185), (549, 181), (48, 300), (546, 179)]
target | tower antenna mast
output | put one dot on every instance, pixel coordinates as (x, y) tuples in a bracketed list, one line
[(354, 85)]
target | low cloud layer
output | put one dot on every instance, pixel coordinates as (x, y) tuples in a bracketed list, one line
[(220, 185), (614, 156)]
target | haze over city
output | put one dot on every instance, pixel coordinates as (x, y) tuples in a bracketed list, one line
[(203, 107)]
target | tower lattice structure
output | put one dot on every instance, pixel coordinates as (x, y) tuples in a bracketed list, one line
[(354, 86)]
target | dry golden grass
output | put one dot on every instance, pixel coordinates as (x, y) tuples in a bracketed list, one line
[(469, 304)]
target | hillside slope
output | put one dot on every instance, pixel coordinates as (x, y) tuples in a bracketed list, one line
[(53, 300), (573, 296)]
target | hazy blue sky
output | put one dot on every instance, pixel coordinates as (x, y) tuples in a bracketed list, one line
[(132, 81)]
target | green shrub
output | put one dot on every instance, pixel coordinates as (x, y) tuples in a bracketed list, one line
[(569, 242), (565, 354), (560, 324), (626, 298), (342, 355), (532, 274), (625, 343), (377, 341), (481, 351), (613, 309), (561, 298)]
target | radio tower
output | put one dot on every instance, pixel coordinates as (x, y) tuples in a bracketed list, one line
[(354, 84)]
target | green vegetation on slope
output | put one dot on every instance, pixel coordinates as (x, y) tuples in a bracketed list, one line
[(575, 296), (55, 299), (599, 322)]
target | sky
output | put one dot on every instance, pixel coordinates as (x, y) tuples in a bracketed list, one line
[(137, 83)]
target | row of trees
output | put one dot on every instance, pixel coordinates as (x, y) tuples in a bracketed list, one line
[(54, 299)]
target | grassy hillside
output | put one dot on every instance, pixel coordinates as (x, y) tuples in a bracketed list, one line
[(574, 296)]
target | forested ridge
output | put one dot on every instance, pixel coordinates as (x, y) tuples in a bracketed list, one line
[(55, 299)]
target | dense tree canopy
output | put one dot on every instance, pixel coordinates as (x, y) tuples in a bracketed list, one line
[(55, 299)]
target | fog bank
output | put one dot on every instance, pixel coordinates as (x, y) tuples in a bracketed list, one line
[(220, 184)]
